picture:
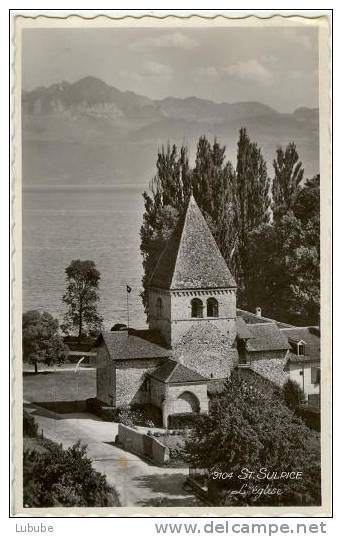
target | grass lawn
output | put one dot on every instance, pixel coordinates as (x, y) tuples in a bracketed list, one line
[(59, 385)]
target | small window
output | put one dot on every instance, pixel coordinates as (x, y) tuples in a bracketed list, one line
[(196, 307), (212, 307), (159, 308), (315, 375), (301, 349)]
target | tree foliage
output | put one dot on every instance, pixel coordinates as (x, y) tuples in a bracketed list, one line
[(59, 477), (249, 427), (169, 193), (282, 271), (42, 342), (233, 202), (81, 298), (275, 260), (253, 201), (293, 394), (253, 186), (288, 175)]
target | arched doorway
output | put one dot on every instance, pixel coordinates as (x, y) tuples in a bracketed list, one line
[(186, 403)]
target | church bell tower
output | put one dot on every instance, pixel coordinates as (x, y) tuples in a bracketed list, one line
[(191, 284)]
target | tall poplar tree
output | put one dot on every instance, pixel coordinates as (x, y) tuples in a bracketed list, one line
[(288, 174), (167, 197), (253, 199)]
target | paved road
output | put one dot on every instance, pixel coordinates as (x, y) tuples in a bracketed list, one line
[(137, 481)]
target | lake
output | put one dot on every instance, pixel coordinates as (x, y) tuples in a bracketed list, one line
[(101, 224)]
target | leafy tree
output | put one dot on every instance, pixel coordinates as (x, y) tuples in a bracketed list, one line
[(253, 199), (275, 263), (59, 477), (249, 427), (282, 272), (307, 202), (42, 342), (82, 297), (253, 186), (169, 193), (214, 188), (288, 174), (293, 394)]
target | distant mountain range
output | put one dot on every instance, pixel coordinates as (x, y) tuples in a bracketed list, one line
[(91, 133)]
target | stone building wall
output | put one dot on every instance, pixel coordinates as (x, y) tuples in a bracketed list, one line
[(156, 322), (131, 387), (255, 356), (176, 319), (158, 391), (181, 312), (176, 391)]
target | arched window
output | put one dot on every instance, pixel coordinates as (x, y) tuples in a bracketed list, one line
[(159, 308), (212, 307), (196, 307)]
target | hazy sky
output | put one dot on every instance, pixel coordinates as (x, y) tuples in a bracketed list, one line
[(278, 67)]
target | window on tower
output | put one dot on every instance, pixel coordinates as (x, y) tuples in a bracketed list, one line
[(196, 307), (212, 307)]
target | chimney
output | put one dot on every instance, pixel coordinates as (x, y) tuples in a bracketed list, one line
[(258, 311)]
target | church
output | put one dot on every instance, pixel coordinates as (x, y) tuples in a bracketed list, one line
[(196, 334)]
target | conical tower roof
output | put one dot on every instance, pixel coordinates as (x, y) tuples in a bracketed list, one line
[(192, 259)]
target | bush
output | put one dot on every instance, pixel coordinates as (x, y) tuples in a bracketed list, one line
[(134, 415), (252, 428), (183, 421), (293, 394), (30, 427), (61, 477)]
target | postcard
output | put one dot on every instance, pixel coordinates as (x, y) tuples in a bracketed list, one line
[(171, 256)]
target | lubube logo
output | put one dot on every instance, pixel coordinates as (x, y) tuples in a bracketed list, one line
[(33, 528)]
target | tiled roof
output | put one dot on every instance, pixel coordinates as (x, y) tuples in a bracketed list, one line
[(311, 336), (174, 372), (242, 329), (134, 344), (253, 318), (266, 337), (202, 343), (191, 259), (295, 359)]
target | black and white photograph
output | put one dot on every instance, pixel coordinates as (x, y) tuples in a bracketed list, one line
[(172, 342)]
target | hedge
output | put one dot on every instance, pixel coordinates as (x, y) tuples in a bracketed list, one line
[(183, 421)]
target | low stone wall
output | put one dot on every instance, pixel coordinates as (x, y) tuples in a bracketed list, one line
[(142, 444)]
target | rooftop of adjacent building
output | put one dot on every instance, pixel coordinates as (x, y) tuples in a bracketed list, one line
[(305, 338), (133, 344), (172, 372)]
